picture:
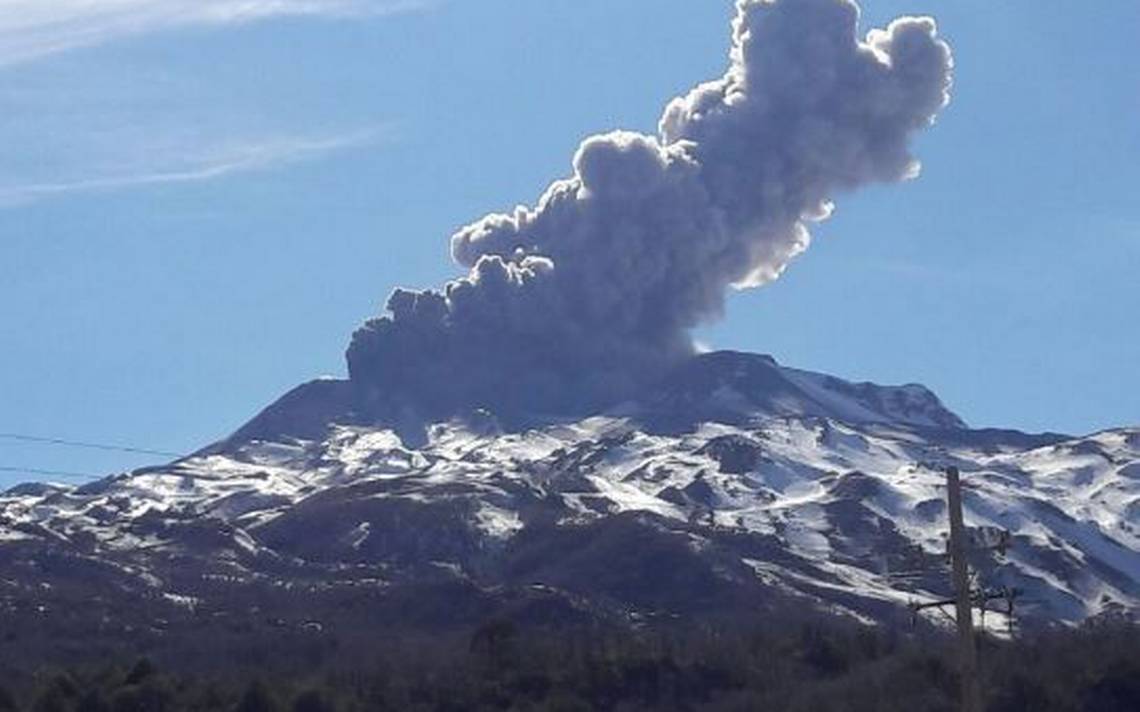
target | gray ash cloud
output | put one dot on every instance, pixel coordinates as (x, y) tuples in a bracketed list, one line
[(575, 302)]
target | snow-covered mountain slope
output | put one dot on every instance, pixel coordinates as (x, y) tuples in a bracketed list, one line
[(734, 482)]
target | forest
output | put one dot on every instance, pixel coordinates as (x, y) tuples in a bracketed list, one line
[(798, 666)]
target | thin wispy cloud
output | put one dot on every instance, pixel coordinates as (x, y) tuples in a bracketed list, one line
[(30, 29), (197, 165)]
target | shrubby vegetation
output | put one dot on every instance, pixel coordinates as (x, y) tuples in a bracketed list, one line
[(805, 666)]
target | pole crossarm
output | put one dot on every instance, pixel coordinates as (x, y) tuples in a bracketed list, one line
[(977, 598)]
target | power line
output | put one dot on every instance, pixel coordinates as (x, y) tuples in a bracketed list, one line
[(90, 446), (50, 473)]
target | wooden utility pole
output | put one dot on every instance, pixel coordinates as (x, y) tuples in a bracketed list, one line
[(967, 653)]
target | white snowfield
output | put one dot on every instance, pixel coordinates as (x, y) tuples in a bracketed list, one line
[(846, 480)]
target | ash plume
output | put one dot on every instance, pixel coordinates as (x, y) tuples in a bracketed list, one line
[(572, 303)]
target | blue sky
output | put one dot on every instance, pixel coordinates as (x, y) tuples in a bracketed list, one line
[(199, 201)]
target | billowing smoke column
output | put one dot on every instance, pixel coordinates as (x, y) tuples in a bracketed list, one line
[(571, 304)]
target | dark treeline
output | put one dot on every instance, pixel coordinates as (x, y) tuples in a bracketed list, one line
[(805, 667)]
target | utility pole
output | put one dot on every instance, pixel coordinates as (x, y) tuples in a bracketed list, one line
[(965, 597), (967, 653)]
